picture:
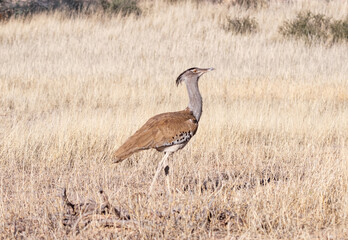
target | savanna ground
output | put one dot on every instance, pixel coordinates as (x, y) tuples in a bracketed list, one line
[(269, 160)]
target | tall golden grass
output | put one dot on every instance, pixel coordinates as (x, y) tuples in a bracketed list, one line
[(273, 135)]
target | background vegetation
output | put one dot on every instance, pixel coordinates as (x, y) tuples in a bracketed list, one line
[(269, 159), (315, 27)]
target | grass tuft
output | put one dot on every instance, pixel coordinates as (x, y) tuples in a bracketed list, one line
[(243, 25)]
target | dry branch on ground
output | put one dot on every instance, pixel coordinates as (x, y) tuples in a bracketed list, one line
[(77, 216)]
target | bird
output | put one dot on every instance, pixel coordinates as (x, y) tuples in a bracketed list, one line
[(168, 132)]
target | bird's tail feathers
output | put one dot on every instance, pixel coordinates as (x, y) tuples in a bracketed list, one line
[(122, 154), (134, 144)]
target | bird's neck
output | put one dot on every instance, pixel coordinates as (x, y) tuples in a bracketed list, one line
[(195, 104)]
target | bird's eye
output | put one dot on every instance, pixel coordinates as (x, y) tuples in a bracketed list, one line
[(194, 70)]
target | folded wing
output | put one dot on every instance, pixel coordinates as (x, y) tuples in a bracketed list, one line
[(160, 132)]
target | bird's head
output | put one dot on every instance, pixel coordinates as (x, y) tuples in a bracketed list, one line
[(192, 74)]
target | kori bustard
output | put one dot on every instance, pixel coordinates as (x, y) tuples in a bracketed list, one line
[(168, 132)]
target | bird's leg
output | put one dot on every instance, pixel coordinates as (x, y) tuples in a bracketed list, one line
[(166, 173), (162, 163)]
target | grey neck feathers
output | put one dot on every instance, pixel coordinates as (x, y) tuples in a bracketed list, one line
[(195, 104)]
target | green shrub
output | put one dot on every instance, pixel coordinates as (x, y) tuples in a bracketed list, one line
[(26, 8), (339, 30), (307, 26), (251, 3), (125, 7), (17, 9), (241, 25), (30, 7), (195, 1), (315, 28)]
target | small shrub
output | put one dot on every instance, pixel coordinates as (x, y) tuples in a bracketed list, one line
[(195, 1), (307, 26), (26, 8), (315, 27), (339, 30), (31, 7), (77, 6), (251, 3), (125, 7), (241, 25)]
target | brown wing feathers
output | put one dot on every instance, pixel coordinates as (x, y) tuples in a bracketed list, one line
[(158, 132)]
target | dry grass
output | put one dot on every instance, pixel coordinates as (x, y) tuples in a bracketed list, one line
[(273, 134)]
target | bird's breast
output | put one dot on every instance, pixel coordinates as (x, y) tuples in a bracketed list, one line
[(172, 148), (176, 142)]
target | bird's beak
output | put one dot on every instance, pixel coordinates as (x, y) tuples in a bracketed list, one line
[(204, 70), (207, 69)]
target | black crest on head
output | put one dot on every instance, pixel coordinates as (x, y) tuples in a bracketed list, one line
[(180, 78)]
